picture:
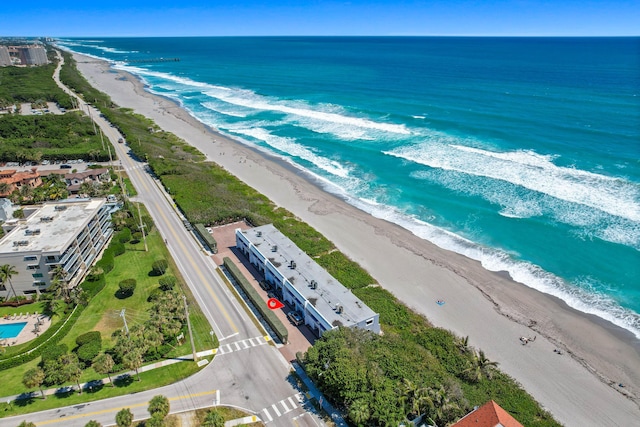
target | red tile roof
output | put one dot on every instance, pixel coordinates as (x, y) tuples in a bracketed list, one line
[(488, 415)]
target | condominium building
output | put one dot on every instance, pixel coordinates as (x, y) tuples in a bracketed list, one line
[(323, 302), (5, 58), (33, 55), (70, 234)]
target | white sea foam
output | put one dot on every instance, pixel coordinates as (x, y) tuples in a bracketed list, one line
[(526, 273), (291, 147), (322, 118), (233, 113), (518, 202), (532, 171)]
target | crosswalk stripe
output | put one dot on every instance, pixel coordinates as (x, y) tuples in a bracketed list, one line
[(267, 414), (276, 410), (252, 343), (229, 349), (286, 408), (292, 402), (237, 346), (244, 343)]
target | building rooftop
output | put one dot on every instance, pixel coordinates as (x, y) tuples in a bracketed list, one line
[(50, 228), (488, 415), (330, 298)]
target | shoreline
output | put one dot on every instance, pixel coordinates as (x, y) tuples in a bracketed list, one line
[(489, 307)]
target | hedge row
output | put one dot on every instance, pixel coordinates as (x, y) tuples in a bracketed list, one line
[(258, 302), (207, 237)]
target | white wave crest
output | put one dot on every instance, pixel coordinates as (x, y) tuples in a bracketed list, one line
[(532, 171), (523, 272), (226, 112), (289, 146)]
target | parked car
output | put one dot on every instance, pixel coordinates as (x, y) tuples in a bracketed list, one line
[(120, 140), (65, 166), (295, 318)]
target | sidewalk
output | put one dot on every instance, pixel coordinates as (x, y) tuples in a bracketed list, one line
[(103, 381), (336, 417)]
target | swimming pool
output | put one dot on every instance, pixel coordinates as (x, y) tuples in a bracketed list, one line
[(11, 330)]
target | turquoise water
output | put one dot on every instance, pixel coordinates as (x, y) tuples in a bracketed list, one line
[(11, 330), (522, 153)]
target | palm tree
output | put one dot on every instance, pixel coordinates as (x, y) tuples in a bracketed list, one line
[(159, 406), (463, 344), (444, 408), (58, 275), (359, 412), (124, 418), (480, 367), (103, 364), (6, 273), (34, 378)]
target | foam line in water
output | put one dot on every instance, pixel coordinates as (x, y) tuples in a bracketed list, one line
[(299, 109), (532, 171), (522, 272), (289, 146)]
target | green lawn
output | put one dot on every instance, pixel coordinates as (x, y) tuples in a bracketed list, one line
[(149, 380)]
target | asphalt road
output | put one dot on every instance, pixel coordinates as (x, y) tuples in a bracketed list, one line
[(248, 375)]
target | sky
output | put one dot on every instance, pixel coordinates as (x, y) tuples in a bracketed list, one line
[(119, 18)]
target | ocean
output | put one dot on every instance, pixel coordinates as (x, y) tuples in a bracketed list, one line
[(522, 153)]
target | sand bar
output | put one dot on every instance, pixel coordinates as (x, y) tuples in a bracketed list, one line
[(580, 387)]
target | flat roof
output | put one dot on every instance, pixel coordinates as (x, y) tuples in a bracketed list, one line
[(329, 292), (58, 224)]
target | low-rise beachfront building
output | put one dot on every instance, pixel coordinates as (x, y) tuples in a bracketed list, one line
[(323, 302), (70, 234)]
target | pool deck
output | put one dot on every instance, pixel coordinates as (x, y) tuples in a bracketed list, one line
[(29, 331)]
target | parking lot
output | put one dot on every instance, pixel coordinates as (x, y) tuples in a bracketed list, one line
[(300, 337)]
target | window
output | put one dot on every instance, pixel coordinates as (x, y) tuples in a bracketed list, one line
[(37, 275), (31, 258), (33, 267), (39, 283), (369, 322)]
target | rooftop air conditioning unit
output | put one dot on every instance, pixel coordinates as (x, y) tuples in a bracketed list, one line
[(259, 233), (274, 248), (339, 308), (292, 264), (60, 208), (314, 284)]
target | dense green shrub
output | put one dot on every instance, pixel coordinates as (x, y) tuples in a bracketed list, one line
[(124, 235), (52, 352), (107, 261), (88, 337), (159, 267), (117, 248), (87, 352), (167, 282), (92, 287), (126, 287), (155, 294)]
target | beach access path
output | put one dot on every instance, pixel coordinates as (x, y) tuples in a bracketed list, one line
[(579, 387)]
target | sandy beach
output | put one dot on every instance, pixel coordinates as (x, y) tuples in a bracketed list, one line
[(580, 387)]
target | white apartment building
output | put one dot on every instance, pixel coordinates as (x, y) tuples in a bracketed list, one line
[(323, 302), (70, 234)]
